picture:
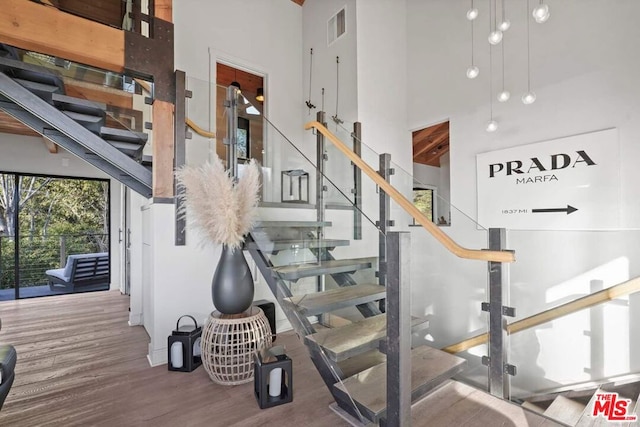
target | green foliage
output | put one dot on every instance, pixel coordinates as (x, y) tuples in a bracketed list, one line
[(423, 200), (63, 217)]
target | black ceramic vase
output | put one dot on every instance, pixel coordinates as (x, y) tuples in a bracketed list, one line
[(232, 285)]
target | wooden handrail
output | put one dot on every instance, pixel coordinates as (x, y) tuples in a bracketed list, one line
[(590, 300), (197, 129), (408, 206)]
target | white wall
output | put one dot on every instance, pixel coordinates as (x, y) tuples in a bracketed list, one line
[(382, 73), (28, 154), (260, 36), (582, 70)]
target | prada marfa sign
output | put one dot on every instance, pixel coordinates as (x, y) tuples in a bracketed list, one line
[(568, 183)]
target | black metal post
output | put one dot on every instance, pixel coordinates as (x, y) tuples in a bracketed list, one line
[(385, 209), (231, 141), (179, 156), (398, 329), (499, 369), (357, 183)]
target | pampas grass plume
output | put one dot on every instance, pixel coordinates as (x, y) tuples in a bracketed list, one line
[(222, 210)]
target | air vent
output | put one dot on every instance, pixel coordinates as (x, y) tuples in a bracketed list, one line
[(337, 26)]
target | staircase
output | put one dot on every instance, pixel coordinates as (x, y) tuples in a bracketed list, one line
[(36, 96), (310, 284)]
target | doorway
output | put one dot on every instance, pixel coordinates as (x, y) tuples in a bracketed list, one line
[(43, 220), (431, 171)]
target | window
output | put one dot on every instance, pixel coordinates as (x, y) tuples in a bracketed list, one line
[(424, 200), (337, 26)]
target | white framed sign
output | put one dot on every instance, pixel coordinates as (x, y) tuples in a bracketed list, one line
[(570, 183)]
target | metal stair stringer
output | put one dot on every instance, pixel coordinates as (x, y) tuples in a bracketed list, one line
[(329, 370), (73, 137)]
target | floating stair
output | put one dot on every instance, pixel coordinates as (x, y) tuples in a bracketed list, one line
[(274, 247), (429, 369), (355, 338), (565, 410), (336, 299), (298, 271)]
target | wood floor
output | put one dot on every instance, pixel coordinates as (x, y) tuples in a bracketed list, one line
[(80, 364)]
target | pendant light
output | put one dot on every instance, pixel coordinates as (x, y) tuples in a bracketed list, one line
[(235, 81), (495, 35), (504, 95), (505, 24), (492, 125), (472, 71), (541, 13), (310, 106), (529, 97), (337, 120)]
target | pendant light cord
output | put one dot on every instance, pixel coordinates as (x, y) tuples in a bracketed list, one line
[(335, 118), (310, 106), (528, 49)]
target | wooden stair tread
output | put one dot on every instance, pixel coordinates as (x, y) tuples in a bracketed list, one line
[(298, 271), (458, 404), (292, 224), (335, 299), (293, 244), (565, 410), (429, 368), (359, 363), (355, 338)]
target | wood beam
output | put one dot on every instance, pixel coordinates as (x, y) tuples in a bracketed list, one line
[(422, 134), (40, 28), (53, 148), (99, 93), (298, 2), (428, 145), (163, 151), (164, 10)]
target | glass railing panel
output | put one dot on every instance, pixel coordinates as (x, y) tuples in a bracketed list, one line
[(446, 290), (594, 345), (339, 168), (201, 108), (126, 100)]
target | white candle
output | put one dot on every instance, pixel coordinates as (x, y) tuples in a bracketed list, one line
[(275, 382)]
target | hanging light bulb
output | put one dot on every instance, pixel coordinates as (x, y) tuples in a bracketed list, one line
[(541, 13), (492, 126), (529, 98), (504, 96), (472, 14), (472, 71), (504, 25), (495, 37)]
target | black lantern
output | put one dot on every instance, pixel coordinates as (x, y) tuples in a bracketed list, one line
[(272, 377), (184, 347)]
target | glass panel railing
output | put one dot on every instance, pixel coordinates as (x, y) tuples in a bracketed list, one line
[(446, 289), (124, 98), (583, 349)]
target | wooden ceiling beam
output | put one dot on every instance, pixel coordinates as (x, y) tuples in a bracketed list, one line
[(298, 2), (40, 28), (433, 159), (429, 145), (422, 134)]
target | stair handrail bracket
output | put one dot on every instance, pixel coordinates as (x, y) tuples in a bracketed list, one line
[(410, 208)]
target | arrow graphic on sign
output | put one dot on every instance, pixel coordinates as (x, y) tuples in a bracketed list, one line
[(569, 209)]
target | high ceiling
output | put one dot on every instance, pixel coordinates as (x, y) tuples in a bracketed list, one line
[(429, 144)]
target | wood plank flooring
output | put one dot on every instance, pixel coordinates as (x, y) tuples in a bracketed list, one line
[(80, 364)]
